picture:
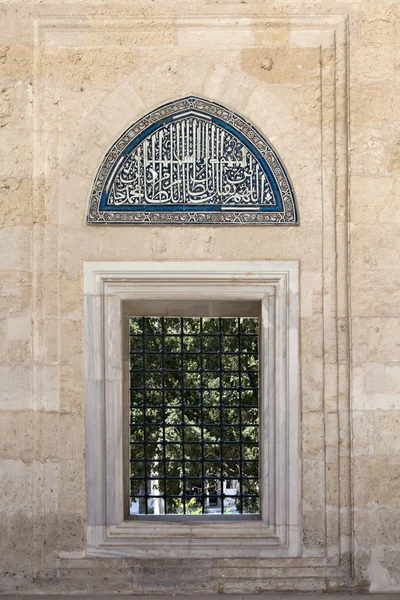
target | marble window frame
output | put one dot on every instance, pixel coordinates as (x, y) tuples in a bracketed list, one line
[(107, 286)]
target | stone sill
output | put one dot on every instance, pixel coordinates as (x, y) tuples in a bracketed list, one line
[(266, 596)]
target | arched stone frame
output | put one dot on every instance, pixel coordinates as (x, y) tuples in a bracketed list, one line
[(263, 196)]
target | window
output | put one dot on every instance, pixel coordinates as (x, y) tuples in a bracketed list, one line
[(207, 310), (194, 436)]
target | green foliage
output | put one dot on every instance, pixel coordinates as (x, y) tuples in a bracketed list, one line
[(177, 350)]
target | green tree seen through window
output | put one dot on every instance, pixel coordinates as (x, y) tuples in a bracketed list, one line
[(194, 414)]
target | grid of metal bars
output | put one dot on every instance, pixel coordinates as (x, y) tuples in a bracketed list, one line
[(194, 415)]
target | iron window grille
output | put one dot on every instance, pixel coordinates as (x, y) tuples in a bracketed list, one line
[(194, 415)]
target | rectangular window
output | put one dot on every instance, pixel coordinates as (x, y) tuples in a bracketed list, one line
[(194, 415), (213, 366)]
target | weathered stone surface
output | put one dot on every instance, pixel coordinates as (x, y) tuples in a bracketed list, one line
[(321, 81)]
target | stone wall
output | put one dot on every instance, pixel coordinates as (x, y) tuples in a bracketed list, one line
[(321, 81)]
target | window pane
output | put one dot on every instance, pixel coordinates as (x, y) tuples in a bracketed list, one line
[(194, 415)]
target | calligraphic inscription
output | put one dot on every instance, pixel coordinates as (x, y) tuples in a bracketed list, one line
[(192, 161)]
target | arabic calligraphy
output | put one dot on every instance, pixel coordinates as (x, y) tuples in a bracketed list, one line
[(191, 161)]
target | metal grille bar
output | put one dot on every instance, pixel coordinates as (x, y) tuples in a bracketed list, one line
[(194, 415)]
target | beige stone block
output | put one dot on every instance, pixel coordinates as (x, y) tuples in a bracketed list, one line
[(92, 141), (194, 244), (383, 402), (286, 127), (71, 433), (197, 68), (372, 66), (298, 104), (206, 61), (372, 104), (51, 341), (363, 434), (161, 82), (50, 487), (3, 531), (15, 291), (397, 64), (335, 428), (392, 379), (117, 110), (50, 304), (269, 36), (99, 65), (312, 386), (376, 482), (387, 572), (72, 101), (313, 484), (311, 337), (46, 253), (375, 247), (374, 377), (365, 528), (369, 149), (282, 65), (15, 154), (218, 85), (141, 34), (388, 527), (48, 449), (387, 433), (343, 375), (19, 352), (71, 340), (332, 484), (15, 248), (121, 108), (383, 339), (330, 398), (19, 327), (346, 484), (15, 62), (15, 383), (15, 106), (73, 193), (15, 31), (71, 532), (71, 390), (47, 528), (393, 155), (359, 346), (3, 341), (373, 199), (306, 183), (15, 486), (20, 533), (17, 439), (313, 434), (376, 29), (211, 37), (47, 387), (335, 347), (314, 532), (71, 297), (71, 486), (307, 38)]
